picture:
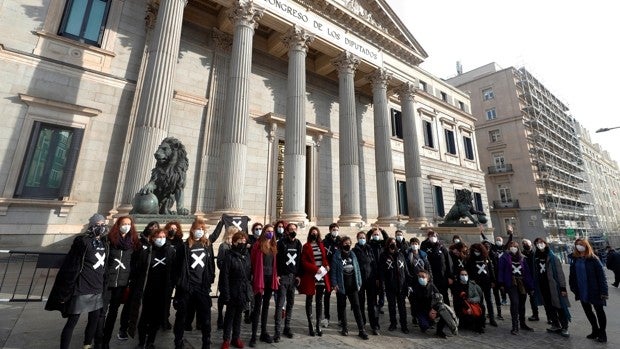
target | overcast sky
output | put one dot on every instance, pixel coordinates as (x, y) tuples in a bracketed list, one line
[(569, 46)]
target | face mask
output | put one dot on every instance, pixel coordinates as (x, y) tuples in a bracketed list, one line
[(198, 234), (540, 247), (423, 281), (346, 248), (171, 233), (280, 230), (292, 234), (98, 230), (257, 232), (580, 248), (159, 242), (376, 238), (362, 242), (464, 278), (498, 243), (313, 237), (393, 247), (456, 241), (399, 238), (476, 253), (526, 247), (239, 246), (125, 228), (415, 247), (269, 235), (513, 250), (433, 239), (335, 233)]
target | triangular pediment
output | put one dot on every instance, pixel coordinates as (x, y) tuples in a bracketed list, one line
[(379, 15)]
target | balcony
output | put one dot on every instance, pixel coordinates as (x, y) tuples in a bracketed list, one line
[(498, 205), (507, 168)]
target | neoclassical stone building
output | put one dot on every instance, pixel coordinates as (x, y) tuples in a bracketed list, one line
[(313, 111)]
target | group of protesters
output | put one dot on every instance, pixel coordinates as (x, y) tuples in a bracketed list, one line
[(453, 286)]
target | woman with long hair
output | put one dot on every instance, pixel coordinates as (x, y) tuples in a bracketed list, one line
[(196, 273), (515, 278), (124, 253), (221, 256), (588, 282), (314, 279), (264, 281), (174, 234)]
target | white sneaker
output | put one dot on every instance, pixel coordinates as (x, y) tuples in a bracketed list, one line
[(325, 322)]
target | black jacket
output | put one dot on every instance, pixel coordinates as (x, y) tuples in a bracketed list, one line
[(393, 271), (441, 263), (288, 250), (235, 276), (120, 265), (367, 263), (183, 264)]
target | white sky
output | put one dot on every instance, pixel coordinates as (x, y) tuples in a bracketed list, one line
[(572, 47)]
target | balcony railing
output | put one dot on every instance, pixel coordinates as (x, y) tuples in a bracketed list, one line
[(498, 204), (507, 168)]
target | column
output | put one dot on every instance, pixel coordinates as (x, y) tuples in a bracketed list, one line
[(297, 40), (413, 172), (229, 192), (386, 187), (348, 144), (153, 112)]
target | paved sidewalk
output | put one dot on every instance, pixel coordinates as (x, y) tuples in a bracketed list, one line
[(27, 325)]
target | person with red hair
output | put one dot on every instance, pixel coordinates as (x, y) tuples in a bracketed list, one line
[(125, 249)]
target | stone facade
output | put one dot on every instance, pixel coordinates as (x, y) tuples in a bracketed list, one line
[(226, 94)]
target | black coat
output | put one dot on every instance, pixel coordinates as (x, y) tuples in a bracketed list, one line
[(367, 263), (393, 272), (183, 264), (235, 278), (69, 273), (441, 263)]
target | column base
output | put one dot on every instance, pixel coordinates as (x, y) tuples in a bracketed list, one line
[(122, 210), (350, 220), (387, 221), (417, 223), (298, 218)]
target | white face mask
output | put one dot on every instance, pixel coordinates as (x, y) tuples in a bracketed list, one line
[(415, 247), (464, 278), (257, 232), (476, 253), (498, 243), (423, 281), (335, 233), (125, 228), (514, 250), (541, 247), (280, 230), (580, 248), (376, 237), (433, 239), (399, 238), (362, 242), (159, 242), (198, 234), (456, 241)]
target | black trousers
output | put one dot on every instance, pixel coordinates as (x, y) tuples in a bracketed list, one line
[(486, 291), (396, 299), (115, 298), (341, 304), (320, 289), (152, 315), (517, 306), (368, 299), (89, 332), (232, 320), (261, 310), (202, 303), (598, 321)]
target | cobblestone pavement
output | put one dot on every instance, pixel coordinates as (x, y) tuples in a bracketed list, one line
[(27, 325)]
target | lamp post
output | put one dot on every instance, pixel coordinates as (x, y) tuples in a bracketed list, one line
[(605, 129)]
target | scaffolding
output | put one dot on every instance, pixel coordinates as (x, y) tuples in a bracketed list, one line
[(556, 159)]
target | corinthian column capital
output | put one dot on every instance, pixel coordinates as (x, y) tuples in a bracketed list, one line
[(380, 78), (406, 91), (297, 38), (346, 62), (221, 41), (244, 13)]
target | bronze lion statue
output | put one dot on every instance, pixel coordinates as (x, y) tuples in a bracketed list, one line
[(168, 177), (463, 208)]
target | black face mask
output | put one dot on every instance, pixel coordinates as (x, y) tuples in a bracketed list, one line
[(171, 234), (527, 247), (97, 230), (346, 248), (392, 247), (239, 247), (292, 234), (312, 238)]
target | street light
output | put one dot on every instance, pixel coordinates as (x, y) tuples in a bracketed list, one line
[(605, 129)]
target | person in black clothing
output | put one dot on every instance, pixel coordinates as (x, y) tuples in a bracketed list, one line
[(528, 254), (79, 284), (125, 249), (331, 244), (496, 250), (154, 279), (175, 239), (288, 260), (613, 263), (257, 230), (481, 270), (401, 243), (463, 290), (347, 281), (459, 254), (441, 263), (417, 261), (196, 273), (370, 281), (423, 293), (235, 289), (376, 239), (221, 257), (395, 279)]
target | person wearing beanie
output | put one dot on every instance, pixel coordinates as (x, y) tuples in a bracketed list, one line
[(79, 284)]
